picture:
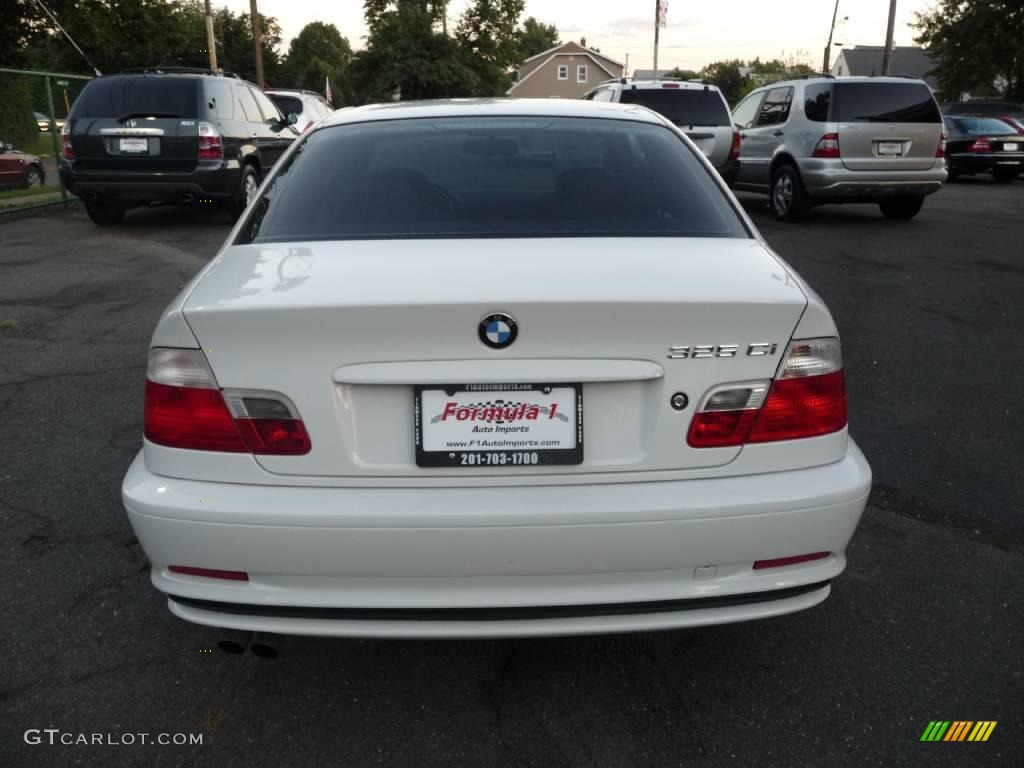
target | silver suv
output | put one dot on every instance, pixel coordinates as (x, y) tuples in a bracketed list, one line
[(842, 140), (698, 109)]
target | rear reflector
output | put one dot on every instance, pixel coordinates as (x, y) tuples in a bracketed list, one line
[(941, 151), (210, 573), (807, 399), (67, 151), (828, 146), (186, 409), (778, 562)]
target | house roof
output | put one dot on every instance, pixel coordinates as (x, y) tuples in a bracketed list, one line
[(558, 48), (906, 60)]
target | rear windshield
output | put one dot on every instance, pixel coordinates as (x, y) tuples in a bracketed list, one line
[(884, 103), (287, 104), (683, 106), (139, 96), (492, 177), (981, 126)]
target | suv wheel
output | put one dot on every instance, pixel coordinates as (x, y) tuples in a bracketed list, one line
[(248, 183), (788, 198), (902, 208), (104, 215), (34, 178)]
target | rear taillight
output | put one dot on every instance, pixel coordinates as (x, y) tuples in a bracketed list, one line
[(67, 151), (209, 573), (734, 151), (211, 147), (941, 151), (186, 409), (981, 146), (806, 399), (828, 146), (308, 126), (779, 562)]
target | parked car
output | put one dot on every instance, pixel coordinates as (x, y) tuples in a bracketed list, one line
[(494, 368), (43, 122), (983, 145), (698, 109), (20, 169), (169, 136), (307, 106), (848, 140)]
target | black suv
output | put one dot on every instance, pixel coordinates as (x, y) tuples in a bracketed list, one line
[(178, 136)]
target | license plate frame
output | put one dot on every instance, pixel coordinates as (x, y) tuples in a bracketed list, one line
[(890, 149), (504, 396), (133, 145), (1012, 146)]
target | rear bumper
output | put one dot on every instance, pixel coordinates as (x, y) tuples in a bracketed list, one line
[(827, 178), (974, 163), (519, 561), (213, 183)]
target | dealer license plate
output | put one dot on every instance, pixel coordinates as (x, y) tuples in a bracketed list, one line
[(890, 148), (499, 425), (138, 146)]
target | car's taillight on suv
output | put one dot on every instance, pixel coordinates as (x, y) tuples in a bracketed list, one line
[(734, 150), (827, 146), (211, 147), (806, 399), (186, 409), (981, 146), (67, 151), (941, 151)]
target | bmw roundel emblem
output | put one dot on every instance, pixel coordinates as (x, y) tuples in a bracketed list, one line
[(498, 330)]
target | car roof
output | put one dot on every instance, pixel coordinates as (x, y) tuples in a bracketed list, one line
[(408, 110), (687, 85), (837, 80), (292, 92)]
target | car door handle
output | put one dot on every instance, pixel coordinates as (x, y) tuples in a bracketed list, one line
[(777, 133)]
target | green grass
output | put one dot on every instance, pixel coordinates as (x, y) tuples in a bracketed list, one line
[(43, 146), (11, 194)]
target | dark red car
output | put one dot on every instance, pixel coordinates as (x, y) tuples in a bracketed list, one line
[(20, 169)]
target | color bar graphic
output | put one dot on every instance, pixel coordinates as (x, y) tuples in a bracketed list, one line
[(958, 730)]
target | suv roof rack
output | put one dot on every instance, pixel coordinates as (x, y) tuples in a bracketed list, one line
[(176, 71), (826, 75)]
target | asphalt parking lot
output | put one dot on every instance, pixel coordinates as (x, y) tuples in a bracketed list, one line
[(925, 624)]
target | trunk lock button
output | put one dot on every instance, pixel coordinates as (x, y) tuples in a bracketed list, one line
[(679, 401)]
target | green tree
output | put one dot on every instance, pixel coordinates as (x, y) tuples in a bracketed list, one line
[(319, 51), (235, 46), (17, 124), (408, 56), (727, 76), (683, 74), (977, 46), (488, 32), (535, 37)]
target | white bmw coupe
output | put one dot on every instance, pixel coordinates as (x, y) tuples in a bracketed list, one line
[(494, 368)]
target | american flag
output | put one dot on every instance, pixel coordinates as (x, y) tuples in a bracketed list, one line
[(662, 13)]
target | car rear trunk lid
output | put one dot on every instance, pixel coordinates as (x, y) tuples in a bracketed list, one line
[(886, 125), (348, 329)]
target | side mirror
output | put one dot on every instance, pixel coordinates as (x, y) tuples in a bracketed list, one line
[(7, 147), (275, 124), (292, 118)]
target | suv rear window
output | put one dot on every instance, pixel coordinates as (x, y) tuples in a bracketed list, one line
[(884, 103), (683, 106), (492, 177), (287, 104), (140, 96)]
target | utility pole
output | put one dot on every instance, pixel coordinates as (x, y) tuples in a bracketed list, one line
[(887, 56), (657, 29), (828, 46), (211, 43), (257, 41)]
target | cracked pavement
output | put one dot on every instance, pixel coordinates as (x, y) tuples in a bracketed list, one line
[(925, 624)]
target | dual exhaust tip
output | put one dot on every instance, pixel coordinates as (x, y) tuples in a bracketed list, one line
[(263, 645)]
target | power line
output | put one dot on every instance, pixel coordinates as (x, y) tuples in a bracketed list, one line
[(70, 39)]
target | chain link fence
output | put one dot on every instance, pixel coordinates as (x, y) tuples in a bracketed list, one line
[(33, 107)]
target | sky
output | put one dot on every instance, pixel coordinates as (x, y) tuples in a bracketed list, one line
[(697, 32)]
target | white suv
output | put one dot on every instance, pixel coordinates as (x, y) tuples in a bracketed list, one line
[(308, 107), (842, 140), (696, 108)]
